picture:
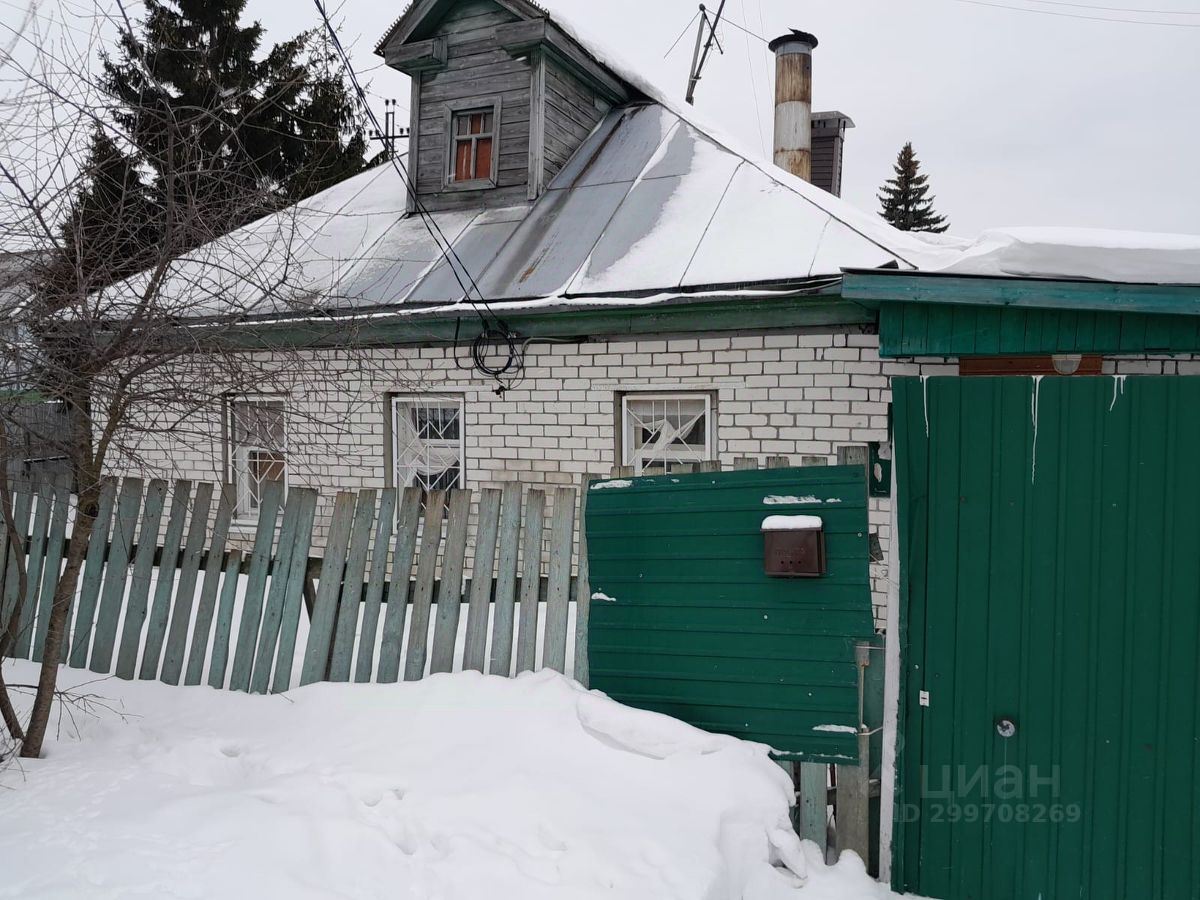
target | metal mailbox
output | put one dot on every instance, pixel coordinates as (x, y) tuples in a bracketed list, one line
[(794, 546)]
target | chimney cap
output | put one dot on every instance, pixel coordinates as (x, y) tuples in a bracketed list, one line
[(795, 36)]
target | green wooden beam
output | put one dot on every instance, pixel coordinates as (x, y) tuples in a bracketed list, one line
[(825, 309), (876, 288)]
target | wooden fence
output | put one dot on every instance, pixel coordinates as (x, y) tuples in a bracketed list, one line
[(162, 595)]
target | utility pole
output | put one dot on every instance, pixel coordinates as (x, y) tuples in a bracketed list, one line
[(700, 57), (390, 133)]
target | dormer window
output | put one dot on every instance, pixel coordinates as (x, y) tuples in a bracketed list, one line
[(473, 145)]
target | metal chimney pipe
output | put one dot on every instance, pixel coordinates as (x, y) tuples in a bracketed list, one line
[(793, 102)]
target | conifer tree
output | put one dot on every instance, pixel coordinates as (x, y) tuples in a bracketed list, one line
[(905, 197)]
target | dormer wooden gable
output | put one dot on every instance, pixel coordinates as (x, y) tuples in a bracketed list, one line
[(502, 97)]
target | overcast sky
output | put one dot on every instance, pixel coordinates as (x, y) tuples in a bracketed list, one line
[(1019, 118)]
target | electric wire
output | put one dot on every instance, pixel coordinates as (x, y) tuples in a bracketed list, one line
[(686, 28), (1067, 15)]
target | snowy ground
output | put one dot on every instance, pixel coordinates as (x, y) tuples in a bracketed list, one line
[(455, 787)]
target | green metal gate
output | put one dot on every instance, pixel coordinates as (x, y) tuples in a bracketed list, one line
[(684, 621), (1050, 633)]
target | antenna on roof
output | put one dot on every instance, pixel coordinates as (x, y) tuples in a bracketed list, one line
[(390, 133), (700, 58)]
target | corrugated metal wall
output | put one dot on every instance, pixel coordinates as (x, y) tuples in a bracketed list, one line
[(692, 626), (1051, 549)]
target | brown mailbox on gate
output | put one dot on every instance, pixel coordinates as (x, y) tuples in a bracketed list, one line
[(794, 546)]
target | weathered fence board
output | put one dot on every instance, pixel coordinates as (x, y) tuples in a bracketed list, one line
[(352, 587), (324, 614), (558, 595), (535, 526), (52, 567), (296, 575), (139, 582), (449, 601), (504, 615), (219, 663), (287, 588), (431, 540), (475, 646), (373, 601), (93, 570), (112, 593), (583, 602), (404, 552), (185, 589), (23, 638), (160, 610), (206, 608), (256, 584)]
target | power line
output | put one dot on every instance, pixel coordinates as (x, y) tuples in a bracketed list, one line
[(1120, 9), (1066, 15)]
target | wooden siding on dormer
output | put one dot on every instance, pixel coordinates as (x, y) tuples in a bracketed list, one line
[(571, 114), (476, 69)]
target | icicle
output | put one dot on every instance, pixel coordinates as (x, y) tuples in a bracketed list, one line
[(1037, 387), (925, 402), (1118, 385)]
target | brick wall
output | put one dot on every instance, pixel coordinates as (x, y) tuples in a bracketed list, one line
[(777, 394)]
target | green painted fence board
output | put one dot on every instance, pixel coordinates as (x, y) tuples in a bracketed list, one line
[(185, 588), (218, 666), (89, 583), (558, 593), (23, 643), (12, 597), (372, 602), (164, 587), (116, 575), (391, 644), (256, 584), (504, 618), (482, 571), (449, 601), (350, 600), (431, 540), (297, 575), (1050, 576), (206, 608), (140, 580), (286, 593), (324, 613), (531, 572), (690, 625), (52, 567)]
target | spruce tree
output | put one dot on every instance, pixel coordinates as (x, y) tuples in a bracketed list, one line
[(209, 131), (905, 197)]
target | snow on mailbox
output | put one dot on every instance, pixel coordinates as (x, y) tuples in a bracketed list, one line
[(794, 546)]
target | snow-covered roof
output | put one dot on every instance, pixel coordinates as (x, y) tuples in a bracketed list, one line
[(1129, 257)]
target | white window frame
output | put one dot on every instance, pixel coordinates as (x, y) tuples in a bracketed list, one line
[(242, 513), (401, 404), (632, 457)]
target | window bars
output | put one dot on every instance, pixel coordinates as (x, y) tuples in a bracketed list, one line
[(430, 447), (660, 430)]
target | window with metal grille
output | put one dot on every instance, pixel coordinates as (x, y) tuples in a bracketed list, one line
[(660, 430), (473, 144), (258, 449), (430, 448)]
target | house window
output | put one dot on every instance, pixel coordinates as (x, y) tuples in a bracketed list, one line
[(430, 448), (473, 145), (660, 430), (258, 449)]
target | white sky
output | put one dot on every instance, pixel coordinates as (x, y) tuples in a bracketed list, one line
[(1019, 118)]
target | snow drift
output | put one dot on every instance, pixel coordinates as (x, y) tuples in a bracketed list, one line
[(459, 786)]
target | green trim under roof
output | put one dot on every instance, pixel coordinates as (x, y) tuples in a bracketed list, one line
[(814, 310), (940, 315)]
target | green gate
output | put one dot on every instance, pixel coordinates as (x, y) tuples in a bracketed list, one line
[(684, 621), (1050, 614)]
